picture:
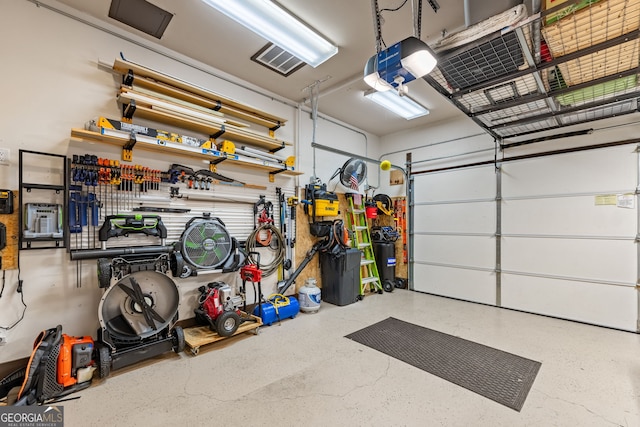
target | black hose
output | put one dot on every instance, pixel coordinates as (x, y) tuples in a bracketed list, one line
[(250, 246)]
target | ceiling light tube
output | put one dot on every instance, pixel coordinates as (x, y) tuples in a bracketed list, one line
[(271, 22), (400, 105)]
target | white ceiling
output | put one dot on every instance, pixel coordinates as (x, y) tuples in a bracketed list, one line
[(202, 33)]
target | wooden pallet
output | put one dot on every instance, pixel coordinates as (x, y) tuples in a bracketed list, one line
[(198, 336)]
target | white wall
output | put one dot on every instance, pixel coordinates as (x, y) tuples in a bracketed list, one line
[(52, 83), (456, 137)]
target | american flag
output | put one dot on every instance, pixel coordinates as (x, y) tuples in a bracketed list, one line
[(353, 181)]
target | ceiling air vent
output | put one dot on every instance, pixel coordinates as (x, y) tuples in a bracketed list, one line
[(278, 60), (141, 15)]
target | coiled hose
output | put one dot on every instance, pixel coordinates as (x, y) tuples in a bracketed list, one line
[(276, 243)]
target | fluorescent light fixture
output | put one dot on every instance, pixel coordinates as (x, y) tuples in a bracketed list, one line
[(401, 63), (401, 105), (271, 22)]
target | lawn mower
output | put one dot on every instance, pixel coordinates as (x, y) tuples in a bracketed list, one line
[(137, 316)]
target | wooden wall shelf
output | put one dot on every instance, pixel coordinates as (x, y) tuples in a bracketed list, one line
[(157, 145)]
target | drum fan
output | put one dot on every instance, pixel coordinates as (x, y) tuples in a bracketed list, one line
[(205, 244), (352, 173)]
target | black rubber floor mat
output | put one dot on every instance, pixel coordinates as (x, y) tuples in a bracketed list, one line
[(494, 374)]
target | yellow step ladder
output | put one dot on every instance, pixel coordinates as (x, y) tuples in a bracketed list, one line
[(361, 239)]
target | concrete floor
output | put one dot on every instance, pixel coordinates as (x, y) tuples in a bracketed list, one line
[(305, 373)]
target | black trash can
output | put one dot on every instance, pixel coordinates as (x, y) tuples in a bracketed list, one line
[(340, 272), (385, 254)]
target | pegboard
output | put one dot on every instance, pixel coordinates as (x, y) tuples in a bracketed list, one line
[(9, 255)]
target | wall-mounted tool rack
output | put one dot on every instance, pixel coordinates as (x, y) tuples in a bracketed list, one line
[(42, 217), (214, 156), (156, 96)]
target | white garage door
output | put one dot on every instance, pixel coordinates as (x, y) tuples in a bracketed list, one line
[(568, 226), (454, 234)]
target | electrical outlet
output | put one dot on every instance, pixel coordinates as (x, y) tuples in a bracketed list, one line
[(3, 337), (4, 156)]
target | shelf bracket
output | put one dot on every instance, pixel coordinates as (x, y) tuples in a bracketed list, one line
[(272, 175), (218, 134), (213, 163), (127, 150), (127, 79), (273, 150), (274, 128), (218, 106), (128, 110)]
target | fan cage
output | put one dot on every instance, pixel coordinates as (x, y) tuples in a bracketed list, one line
[(206, 244), (347, 171)]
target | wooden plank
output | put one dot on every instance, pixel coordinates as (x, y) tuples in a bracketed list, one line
[(231, 133), (240, 184), (189, 117), (601, 64), (396, 177), (9, 254), (602, 21), (199, 336), (183, 103), (123, 66), (202, 101)]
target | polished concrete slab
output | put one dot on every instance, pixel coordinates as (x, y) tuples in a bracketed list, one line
[(304, 372)]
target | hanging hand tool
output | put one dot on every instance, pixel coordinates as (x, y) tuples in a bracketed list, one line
[(74, 220)]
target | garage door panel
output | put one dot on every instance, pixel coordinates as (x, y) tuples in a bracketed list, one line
[(454, 185), (604, 260), (469, 251), (605, 305), (567, 216), (588, 171), (458, 217), (469, 285), (563, 252)]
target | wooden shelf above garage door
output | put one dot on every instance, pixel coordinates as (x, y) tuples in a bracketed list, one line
[(181, 89)]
